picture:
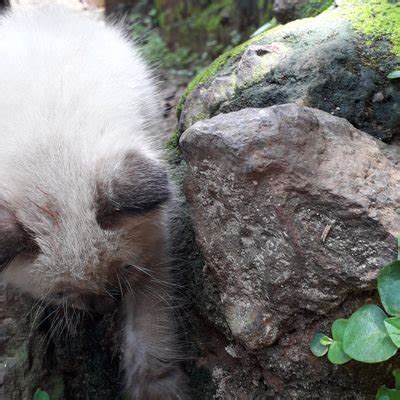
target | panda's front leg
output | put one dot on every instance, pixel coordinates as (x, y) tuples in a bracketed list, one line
[(150, 350)]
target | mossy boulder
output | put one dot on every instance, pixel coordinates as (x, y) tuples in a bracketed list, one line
[(337, 62)]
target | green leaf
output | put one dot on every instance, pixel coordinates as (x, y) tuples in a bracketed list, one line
[(269, 25), (336, 355), (338, 328), (326, 341), (385, 393), (41, 395), (389, 288), (393, 329), (365, 338), (396, 374), (394, 75), (316, 347)]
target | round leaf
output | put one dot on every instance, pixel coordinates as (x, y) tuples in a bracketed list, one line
[(385, 393), (389, 288), (41, 395), (365, 338), (338, 328), (316, 347), (393, 329), (394, 75), (336, 355)]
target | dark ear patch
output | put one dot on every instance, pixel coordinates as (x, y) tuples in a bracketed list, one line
[(140, 185), (13, 239)]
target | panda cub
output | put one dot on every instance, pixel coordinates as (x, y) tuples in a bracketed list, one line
[(84, 193)]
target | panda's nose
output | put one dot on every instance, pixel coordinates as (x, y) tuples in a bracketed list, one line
[(100, 304)]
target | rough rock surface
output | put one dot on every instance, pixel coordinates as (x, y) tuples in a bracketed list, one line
[(20, 370), (79, 366), (324, 62), (295, 211)]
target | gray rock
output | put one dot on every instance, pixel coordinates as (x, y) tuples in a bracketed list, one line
[(21, 354), (295, 212), (324, 62)]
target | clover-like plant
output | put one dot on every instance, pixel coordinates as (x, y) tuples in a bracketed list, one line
[(41, 395), (371, 334)]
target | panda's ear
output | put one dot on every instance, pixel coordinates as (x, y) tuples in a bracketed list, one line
[(13, 238), (133, 185)]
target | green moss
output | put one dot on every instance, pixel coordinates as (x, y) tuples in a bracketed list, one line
[(172, 147), (377, 19), (312, 8), (217, 64)]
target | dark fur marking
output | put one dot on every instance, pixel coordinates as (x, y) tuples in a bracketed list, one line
[(140, 187), (13, 238)]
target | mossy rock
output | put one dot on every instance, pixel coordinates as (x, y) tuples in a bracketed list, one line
[(337, 62)]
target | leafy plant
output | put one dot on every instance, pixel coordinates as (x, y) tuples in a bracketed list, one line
[(384, 393), (41, 395), (371, 334)]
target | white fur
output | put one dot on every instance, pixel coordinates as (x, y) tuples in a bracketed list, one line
[(73, 92), (77, 102)]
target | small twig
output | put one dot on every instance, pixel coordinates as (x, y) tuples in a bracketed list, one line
[(325, 233)]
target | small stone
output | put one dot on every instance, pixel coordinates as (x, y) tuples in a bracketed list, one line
[(378, 97), (231, 351)]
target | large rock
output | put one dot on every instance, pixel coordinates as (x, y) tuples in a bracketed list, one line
[(337, 62), (295, 211)]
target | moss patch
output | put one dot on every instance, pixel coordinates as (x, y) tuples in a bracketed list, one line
[(172, 147), (218, 63), (377, 19)]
